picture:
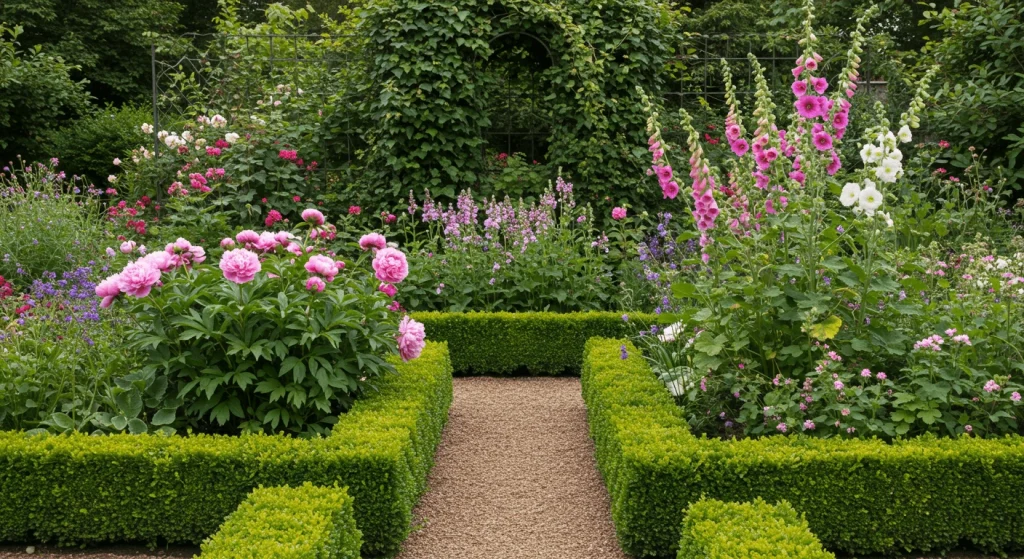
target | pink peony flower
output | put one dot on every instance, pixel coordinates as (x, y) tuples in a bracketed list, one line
[(294, 248), (266, 242), (372, 240), (127, 247), (322, 265), (159, 260), (314, 283), (314, 216), (240, 265), (227, 242), (411, 338), (137, 279), (109, 289), (387, 289), (390, 265), (618, 213), (247, 237)]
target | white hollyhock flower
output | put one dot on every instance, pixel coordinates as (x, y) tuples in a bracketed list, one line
[(890, 138), (888, 170), (888, 219), (161, 135), (877, 153), (866, 154), (231, 137), (896, 154), (850, 194), (870, 200), (904, 134)]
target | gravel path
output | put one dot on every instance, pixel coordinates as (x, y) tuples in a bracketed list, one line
[(515, 477)]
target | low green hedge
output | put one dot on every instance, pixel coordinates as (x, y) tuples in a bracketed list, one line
[(716, 530), (533, 342), (82, 489), (859, 496), (304, 522)]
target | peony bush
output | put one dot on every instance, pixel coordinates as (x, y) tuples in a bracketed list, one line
[(270, 331)]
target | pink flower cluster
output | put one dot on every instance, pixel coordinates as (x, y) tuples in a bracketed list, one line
[(138, 278), (933, 343), (661, 168)]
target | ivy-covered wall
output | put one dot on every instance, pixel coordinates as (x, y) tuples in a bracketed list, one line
[(429, 110)]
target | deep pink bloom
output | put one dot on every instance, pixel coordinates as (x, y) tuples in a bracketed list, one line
[(240, 265), (109, 289), (834, 166), (314, 283), (819, 84), (733, 132), (799, 88), (841, 119), (670, 190), (372, 240), (314, 216), (387, 289), (664, 173), (247, 237), (411, 338), (822, 141), (213, 152), (809, 106), (354, 210), (288, 154), (273, 216), (740, 147), (390, 265), (618, 213), (137, 279)]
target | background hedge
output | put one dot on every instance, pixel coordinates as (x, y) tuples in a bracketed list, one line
[(82, 489), (304, 522), (859, 496), (504, 343), (716, 530)]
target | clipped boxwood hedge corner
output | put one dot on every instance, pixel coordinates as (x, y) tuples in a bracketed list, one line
[(716, 530), (150, 488), (859, 496), (303, 522), (534, 342)]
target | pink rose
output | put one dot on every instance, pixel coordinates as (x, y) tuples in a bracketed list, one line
[(372, 240), (390, 265), (313, 216), (240, 265), (387, 289), (108, 289), (137, 279), (315, 284), (411, 338)]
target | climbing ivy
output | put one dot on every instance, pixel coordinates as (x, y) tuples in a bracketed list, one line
[(429, 108)]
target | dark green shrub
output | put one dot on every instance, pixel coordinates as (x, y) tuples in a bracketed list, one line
[(150, 488), (87, 147), (859, 496), (304, 522), (532, 342), (716, 530)]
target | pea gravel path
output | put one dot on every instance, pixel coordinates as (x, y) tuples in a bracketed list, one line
[(515, 477)]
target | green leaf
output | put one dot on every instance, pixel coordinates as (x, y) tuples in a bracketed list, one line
[(683, 290), (63, 421), (826, 329), (164, 417), (137, 426)]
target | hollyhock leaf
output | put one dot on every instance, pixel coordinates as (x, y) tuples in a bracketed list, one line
[(826, 329)]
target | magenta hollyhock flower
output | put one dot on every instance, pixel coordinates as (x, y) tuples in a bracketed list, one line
[(618, 213), (387, 289), (841, 120), (314, 283), (819, 84), (109, 289), (240, 265), (322, 265), (390, 265), (313, 215), (137, 279), (809, 106), (822, 141), (799, 88), (834, 165), (411, 338), (372, 240), (811, 64), (733, 132), (670, 190), (740, 147), (664, 173)]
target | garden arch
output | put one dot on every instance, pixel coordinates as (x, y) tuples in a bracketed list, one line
[(431, 104)]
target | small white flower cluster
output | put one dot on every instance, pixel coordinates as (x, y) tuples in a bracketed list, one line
[(865, 200), (884, 154)]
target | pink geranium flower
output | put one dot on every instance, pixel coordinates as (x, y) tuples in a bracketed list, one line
[(240, 265)]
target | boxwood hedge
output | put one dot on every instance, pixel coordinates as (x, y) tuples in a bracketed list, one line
[(305, 522), (716, 530), (532, 342), (81, 489), (859, 496)]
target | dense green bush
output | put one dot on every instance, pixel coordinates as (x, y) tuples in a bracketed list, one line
[(88, 146), (150, 488), (716, 530), (532, 342), (36, 90), (859, 496), (304, 522)]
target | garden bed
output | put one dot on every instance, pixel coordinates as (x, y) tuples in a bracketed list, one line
[(859, 496), (169, 489)]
